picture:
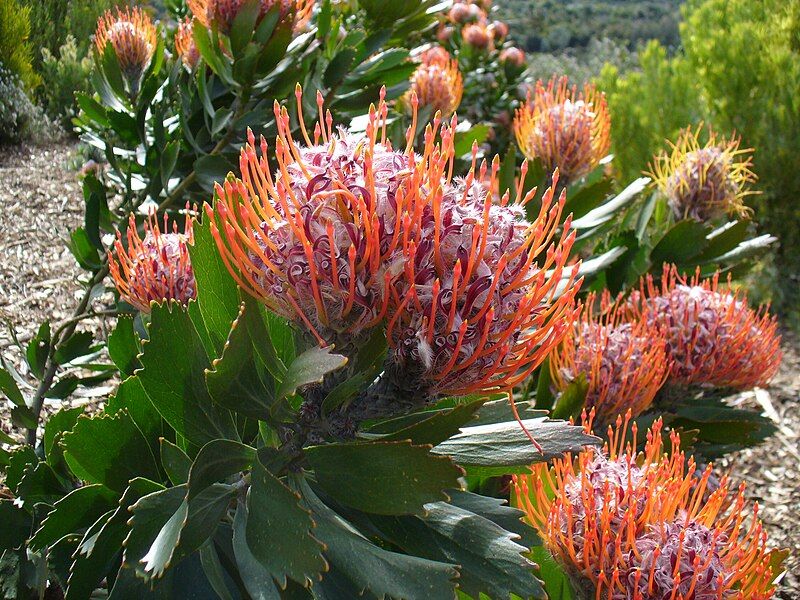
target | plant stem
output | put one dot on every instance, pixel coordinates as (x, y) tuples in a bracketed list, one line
[(63, 333)]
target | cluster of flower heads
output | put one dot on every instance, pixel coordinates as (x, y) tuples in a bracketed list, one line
[(704, 182), (564, 128), (437, 82), (624, 362), (647, 526), (155, 267), (220, 14), (712, 336), (185, 45), (477, 29), (350, 233), (133, 37)]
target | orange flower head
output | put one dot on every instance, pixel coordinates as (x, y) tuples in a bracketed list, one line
[(132, 36), (630, 526), (316, 241), (184, 43), (477, 35), (713, 336), (437, 82), (478, 306), (513, 56), (564, 128), (221, 13), (624, 363), (156, 267), (704, 182)]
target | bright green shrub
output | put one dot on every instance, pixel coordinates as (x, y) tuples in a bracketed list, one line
[(64, 74), (16, 52)]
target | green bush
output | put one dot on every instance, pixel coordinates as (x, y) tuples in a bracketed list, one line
[(20, 119), (64, 75), (16, 52)]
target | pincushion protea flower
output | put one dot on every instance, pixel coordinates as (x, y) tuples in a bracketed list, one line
[(437, 82), (133, 37), (630, 526), (713, 336), (221, 13), (624, 363), (564, 128), (316, 242), (156, 267), (184, 43), (476, 308), (704, 182)]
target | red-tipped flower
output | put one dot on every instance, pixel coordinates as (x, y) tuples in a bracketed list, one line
[(564, 128), (156, 267), (713, 336), (133, 38), (316, 241), (630, 526), (221, 13), (704, 182), (437, 82), (624, 363), (478, 306), (184, 43)]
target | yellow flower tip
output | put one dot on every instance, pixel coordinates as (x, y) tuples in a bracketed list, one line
[(133, 37), (564, 128), (704, 181)]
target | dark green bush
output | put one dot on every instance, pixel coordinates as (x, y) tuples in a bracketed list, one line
[(16, 52), (64, 74)]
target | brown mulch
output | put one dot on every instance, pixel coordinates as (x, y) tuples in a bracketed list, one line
[(41, 201)]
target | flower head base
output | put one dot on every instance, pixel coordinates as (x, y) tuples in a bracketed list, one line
[(477, 308), (316, 241), (624, 364), (185, 45), (437, 82), (713, 337), (644, 527), (133, 38), (156, 267), (704, 182), (221, 13), (564, 128)]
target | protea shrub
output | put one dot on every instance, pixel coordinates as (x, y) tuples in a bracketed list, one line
[(220, 14), (132, 36), (624, 362), (704, 181), (713, 337), (564, 128), (645, 526), (154, 267)]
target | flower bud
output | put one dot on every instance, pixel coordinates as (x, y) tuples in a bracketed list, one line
[(133, 38), (512, 56), (477, 35)]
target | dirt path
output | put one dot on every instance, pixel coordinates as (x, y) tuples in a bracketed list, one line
[(40, 201)]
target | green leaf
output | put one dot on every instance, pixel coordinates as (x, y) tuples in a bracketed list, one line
[(174, 362), (366, 567), (123, 346), (10, 388), (217, 460), (607, 211), (724, 239), (169, 157), (16, 525), (571, 401), (339, 67), (211, 169), (75, 511), (544, 396), (83, 250), (440, 426), (387, 478), (18, 461), (684, 241), (79, 344), (502, 448), (217, 295), (310, 367), (256, 578), (498, 511), (279, 531), (110, 450), (38, 349), (40, 483), (556, 582), (175, 461), (60, 423), (587, 197), (474, 135), (92, 109), (133, 399), (508, 171)]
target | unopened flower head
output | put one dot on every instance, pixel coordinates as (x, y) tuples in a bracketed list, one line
[(478, 307), (704, 182), (155, 267), (512, 56), (221, 13), (564, 128), (437, 82), (499, 30), (624, 363), (631, 526), (463, 12), (133, 38), (316, 241), (477, 35), (185, 45), (713, 336)]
